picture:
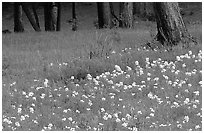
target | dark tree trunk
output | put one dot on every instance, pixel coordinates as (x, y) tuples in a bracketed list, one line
[(18, 21), (34, 5), (74, 19), (136, 8), (50, 15), (170, 25), (47, 17), (58, 16), (107, 15), (54, 9), (126, 14), (30, 16), (100, 14), (104, 15)]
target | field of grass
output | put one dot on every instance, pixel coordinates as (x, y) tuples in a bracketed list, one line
[(100, 80)]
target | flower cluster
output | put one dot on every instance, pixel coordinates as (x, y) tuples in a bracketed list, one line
[(160, 95)]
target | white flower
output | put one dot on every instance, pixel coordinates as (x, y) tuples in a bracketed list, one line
[(72, 77), (186, 101), (136, 63), (118, 68), (186, 118), (147, 59), (113, 52), (30, 94), (89, 77), (129, 68), (46, 83), (178, 58)]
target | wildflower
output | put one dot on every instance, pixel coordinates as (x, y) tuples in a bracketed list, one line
[(184, 65), (46, 83), (178, 58), (110, 82), (89, 77), (196, 92), (147, 60), (129, 68), (30, 94), (17, 124), (197, 126), (113, 52), (118, 68), (186, 101), (136, 63), (23, 93), (72, 77)]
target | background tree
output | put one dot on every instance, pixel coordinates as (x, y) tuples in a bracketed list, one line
[(126, 14), (74, 19), (144, 10), (58, 16), (104, 15), (34, 7), (51, 16), (18, 21), (30, 16), (170, 25)]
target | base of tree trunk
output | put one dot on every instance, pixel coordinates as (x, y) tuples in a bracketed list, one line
[(155, 44)]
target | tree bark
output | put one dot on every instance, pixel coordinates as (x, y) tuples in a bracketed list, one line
[(58, 16), (100, 14), (104, 15), (54, 9), (35, 14), (136, 8), (74, 19), (50, 16), (30, 16), (170, 25), (18, 20), (126, 14)]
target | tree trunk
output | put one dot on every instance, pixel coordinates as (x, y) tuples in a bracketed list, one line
[(74, 20), (100, 14), (104, 15), (136, 8), (58, 16), (126, 14), (170, 25), (18, 21), (30, 17), (54, 9), (35, 14), (50, 14)]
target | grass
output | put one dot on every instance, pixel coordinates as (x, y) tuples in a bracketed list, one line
[(100, 80), (51, 89)]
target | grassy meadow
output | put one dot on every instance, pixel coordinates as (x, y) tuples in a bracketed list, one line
[(100, 80)]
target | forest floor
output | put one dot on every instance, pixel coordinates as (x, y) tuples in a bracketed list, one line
[(49, 81)]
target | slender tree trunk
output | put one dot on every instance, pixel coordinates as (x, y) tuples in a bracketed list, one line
[(104, 15), (54, 9), (136, 8), (100, 14), (50, 15), (18, 21), (126, 14), (58, 16), (47, 17), (74, 19), (35, 14), (30, 17), (107, 15), (170, 25)]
